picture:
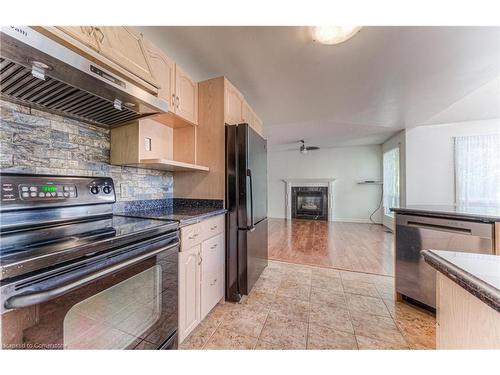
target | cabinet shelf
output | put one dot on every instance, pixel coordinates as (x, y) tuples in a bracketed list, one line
[(172, 120), (168, 165)]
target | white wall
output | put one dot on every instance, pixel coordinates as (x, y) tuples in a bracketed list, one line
[(352, 202), (430, 176), (398, 140)]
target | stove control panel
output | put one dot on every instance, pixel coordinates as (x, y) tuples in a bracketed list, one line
[(35, 192), (18, 191)]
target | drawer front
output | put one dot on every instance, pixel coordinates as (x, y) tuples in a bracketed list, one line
[(212, 273), (191, 235), (213, 226)]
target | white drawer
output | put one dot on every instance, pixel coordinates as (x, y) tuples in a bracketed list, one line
[(212, 273), (191, 235), (213, 226)]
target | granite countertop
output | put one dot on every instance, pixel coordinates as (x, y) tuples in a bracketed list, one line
[(185, 211), (491, 214), (184, 215), (479, 274)]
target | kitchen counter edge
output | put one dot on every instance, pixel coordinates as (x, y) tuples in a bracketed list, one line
[(198, 218), (479, 288)]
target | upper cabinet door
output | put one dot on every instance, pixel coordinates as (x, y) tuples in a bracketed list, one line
[(186, 96), (246, 113), (84, 34), (163, 69), (257, 124), (233, 105), (126, 48)]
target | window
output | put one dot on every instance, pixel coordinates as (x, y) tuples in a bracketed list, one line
[(391, 180), (477, 170)]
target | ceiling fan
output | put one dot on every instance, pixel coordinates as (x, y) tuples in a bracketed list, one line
[(304, 149)]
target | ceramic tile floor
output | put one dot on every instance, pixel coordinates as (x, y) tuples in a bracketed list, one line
[(303, 307)]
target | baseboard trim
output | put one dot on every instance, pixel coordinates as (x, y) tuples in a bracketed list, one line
[(340, 220), (361, 221)]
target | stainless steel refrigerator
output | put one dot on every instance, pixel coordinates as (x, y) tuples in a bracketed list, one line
[(246, 202)]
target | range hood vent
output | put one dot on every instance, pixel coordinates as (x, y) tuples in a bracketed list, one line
[(68, 84), (19, 85)]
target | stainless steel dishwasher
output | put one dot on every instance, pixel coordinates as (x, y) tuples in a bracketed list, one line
[(415, 279)]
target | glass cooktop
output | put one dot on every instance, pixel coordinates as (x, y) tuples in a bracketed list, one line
[(90, 236)]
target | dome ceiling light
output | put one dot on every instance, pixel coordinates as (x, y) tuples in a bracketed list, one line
[(333, 34)]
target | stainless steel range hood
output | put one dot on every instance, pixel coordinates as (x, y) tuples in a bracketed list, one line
[(36, 71)]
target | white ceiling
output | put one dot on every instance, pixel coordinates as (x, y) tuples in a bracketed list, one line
[(358, 92)]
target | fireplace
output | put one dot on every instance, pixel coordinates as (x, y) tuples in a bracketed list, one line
[(310, 202), (324, 185)]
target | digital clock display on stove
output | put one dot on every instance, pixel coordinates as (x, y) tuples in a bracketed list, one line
[(48, 188)]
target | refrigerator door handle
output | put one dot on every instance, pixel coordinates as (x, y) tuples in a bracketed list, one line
[(251, 227)]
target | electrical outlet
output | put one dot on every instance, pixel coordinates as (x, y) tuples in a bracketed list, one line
[(147, 144)]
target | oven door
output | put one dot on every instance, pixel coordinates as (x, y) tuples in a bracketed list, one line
[(122, 299)]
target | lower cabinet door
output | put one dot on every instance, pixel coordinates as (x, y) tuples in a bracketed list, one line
[(212, 273), (189, 291)]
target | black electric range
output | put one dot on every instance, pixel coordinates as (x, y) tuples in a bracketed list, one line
[(75, 276)]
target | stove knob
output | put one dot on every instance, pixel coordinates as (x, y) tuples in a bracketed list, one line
[(106, 189), (95, 189)]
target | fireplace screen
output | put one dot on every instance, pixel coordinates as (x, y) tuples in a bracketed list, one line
[(310, 203)]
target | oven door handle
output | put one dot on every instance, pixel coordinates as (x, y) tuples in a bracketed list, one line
[(35, 298)]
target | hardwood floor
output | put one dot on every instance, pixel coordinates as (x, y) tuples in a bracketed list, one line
[(349, 246)]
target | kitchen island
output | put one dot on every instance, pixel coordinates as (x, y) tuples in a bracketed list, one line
[(468, 299)]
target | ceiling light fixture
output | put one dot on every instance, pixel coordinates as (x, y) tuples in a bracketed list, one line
[(334, 34)]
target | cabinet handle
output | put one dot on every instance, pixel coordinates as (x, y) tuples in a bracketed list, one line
[(102, 34), (214, 282), (193, 236), (214, 227), (178, 101), (213, 247), (173, 100), (201, 259)]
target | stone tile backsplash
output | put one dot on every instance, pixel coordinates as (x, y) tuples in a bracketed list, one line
[(33, 141)]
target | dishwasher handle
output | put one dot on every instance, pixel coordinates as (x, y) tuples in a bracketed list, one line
[(442, 228), (463, 227)]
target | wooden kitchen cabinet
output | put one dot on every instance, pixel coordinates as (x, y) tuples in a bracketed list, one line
[(176, 87), (117, 48), (84, 34), (257, 124), (233, 104), (125, 47), (163, 69), (247, 114), (149, 144), (250, 117), (212, 271), (219, 103), (186, 96), (189, 290), (142, 139), (201, 271), (463, 321)]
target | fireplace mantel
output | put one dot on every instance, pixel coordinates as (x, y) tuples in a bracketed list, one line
[(308, 180), (290, 182)]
